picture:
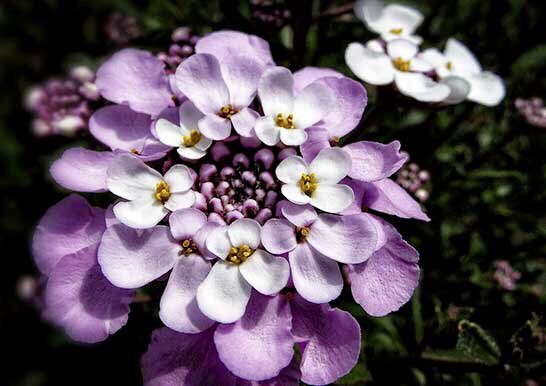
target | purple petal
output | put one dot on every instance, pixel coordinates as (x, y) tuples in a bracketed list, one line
[(317, 139), (67, 227), (132, 258), (347, 239), (175, 359), (244, 122), (299, 215), (120, 128), (388, 197), (225, 44), (178, 307), (215, 127), (82, 170), (199, 77), (278, 236), (81, 300), (241, 74), (289, 376), (330, 339), (262, 337), (373, 161), (386, 281), (135, 78), (307, 75), (185, 223)]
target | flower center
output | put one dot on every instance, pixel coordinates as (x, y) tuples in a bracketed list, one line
[(449, 66), (287, 123), (308, 183), (301, 234), (162, 192), (192, 139), (237, 255), (134, 151), (401, 64), (396, 31), (228, 111), (188, 247)]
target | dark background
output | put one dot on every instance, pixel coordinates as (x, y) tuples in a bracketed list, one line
[(487, 189)]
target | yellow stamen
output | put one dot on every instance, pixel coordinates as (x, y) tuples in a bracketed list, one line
[(401, 64), (134, 151), (237, 255), (228, 111), (188, 247), (302, 233), (192, 139), (308, 183), (396, 31), (449, 66), (287, 123), (162, 192)]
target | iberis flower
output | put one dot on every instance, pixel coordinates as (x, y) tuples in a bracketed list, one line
[(428, 76), (237, 194)]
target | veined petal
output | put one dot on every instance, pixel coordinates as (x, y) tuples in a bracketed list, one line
[(244, 121), (241, 74), (316, 277), (312, 104), (290, 169), (179, 178), (169, 133), (268, 274), (245, 231), (140, 214), (331, 165), (218, 242), (299, 215), (224, 294), (276, 91), (191, 153), (267, 131), (189, 116), (317, 139), (372, 67), (215, 127), (332, 198), (130, 178), (278, 236), (293, 137), (294, 194), (131, 258), (372, 161), (185, 223), (180, 200)]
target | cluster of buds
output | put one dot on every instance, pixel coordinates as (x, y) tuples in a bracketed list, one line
[(270, 12), (182, 47), (505, 275), (121, 29), (414, 179), (63, 106), (533, 111)]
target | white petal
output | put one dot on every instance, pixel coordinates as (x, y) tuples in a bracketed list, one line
[(140, 214), (332, 198), (293, 137), (245, 231), (179, 178), (268, 274), (276, 91), (290, 169), (459, 89), (434, 57), (267, 131), (218, 242), (312, 104), (294, 194), (420, 65), (180, 200), (168, 133), (375, 45), (189, 116), (130, 178), (462, 60), (204, 143), (421, 87), (224, 294), (191, 153), (402, 48), (401, 16), (370, 66), (331, 165), (486, 88)]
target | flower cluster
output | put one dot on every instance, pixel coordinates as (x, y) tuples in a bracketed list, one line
[(63, 106), (533, 110), (182, 47), (505, 275), (121, 29), (429, 76), (272, 13), (414, 179), (236, 188)]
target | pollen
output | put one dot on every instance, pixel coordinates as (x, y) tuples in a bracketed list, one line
[(401, 64), (308, 183), (396, 31), (192, 139), (301, 234), (449, 66), (228, 111), (134, 151), (238, 255), (287, 123), (188, 247), (162, 192)]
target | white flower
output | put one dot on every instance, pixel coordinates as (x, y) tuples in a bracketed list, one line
[(391, 21), (225, 292), (317, 184), (186, 137), (288, 115), (150, 196), (457, 62), (400, 63)]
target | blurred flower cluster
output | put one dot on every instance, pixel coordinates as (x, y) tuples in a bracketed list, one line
[(533, 110)]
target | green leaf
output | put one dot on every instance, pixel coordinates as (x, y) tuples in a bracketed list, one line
[(477, 344), (359, 375)]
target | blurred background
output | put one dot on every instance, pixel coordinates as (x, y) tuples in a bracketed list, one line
[(480, 173)]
